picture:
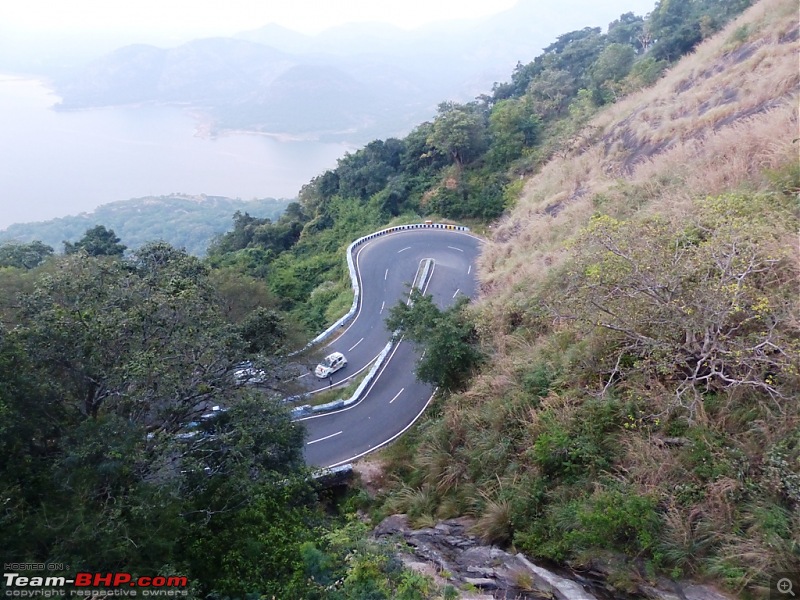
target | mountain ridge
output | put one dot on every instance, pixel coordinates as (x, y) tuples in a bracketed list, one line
[(451, 61)]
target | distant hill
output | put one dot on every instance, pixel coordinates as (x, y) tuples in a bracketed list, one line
[(189, 222), (246, 85), (204, 71), (355, 82)]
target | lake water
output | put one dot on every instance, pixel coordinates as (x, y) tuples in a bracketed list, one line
[(54, 164)]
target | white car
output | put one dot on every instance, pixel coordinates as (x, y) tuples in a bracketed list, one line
[(331, 364)]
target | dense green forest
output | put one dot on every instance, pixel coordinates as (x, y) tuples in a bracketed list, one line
[(111, 363), (113, 457)]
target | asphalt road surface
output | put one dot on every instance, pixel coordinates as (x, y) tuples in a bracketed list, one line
[(386, 267)]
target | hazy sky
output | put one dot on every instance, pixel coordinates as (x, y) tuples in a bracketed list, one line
[(230, 16)]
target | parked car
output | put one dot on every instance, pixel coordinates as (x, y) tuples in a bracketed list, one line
[(331, 364), (214, 412), (247, 374)]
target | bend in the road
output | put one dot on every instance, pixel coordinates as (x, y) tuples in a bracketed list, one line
[(395, 399)]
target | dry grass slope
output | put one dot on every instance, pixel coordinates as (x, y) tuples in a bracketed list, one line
[(609, 429), (715, 122)]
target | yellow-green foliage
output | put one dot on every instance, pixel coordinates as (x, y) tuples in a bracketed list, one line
[(700, 304), (343, 563)]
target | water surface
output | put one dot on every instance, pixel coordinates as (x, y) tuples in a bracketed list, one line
[(57, 163)]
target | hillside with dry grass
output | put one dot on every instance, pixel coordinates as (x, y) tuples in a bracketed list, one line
[(640, 310), (717, 121)]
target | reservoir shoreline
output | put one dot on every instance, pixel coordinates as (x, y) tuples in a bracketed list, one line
[(59, 162)]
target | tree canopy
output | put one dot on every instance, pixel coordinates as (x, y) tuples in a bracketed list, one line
[(449, 339), (24, 256), (112, 454), (97, 241), (459, 131)]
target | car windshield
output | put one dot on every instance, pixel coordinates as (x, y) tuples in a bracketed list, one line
[(331, 360)]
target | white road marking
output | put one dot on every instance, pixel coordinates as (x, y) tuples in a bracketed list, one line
[(383, 304), (381, 371), (398, 393), (391, 439), (304, 375), (386, 275), (404, 249), (354, 320), (430, 276), (456, 292), (356, 344), (327, 437)]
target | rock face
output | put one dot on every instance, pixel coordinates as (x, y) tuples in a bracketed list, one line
[(461, 560), (451, 555)]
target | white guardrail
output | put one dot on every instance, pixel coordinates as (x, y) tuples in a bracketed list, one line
[(305, 410)]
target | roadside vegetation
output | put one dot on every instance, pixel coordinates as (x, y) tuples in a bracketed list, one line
[(114, 457), (624, 393)]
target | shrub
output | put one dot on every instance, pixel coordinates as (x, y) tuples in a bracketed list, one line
[(578, 449), (617, 520), (537, 382)]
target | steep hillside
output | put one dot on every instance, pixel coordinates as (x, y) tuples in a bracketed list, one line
[(717, 121), (622, 400), (640, 311)]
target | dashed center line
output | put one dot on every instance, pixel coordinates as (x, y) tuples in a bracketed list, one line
[(404, 249), (386, 275), (456, 292), (383, 304), (322, 439), (469, 270), (454, 248), (356, 344), (396, 395)]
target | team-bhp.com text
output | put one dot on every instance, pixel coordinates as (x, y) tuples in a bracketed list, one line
[(86, 584)]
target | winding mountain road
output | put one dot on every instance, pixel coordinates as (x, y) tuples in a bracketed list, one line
[(386, 267)]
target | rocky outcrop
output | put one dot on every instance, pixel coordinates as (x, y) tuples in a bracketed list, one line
[(450, 554), (461, 560)]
